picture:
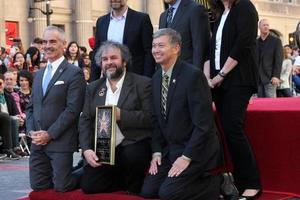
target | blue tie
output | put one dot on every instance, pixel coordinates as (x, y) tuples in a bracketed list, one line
[(170, 16), (47, 78)]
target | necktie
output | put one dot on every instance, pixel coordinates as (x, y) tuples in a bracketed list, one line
[(164, 94), (47, 78), (170, 16)]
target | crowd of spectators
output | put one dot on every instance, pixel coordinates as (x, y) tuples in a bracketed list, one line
[(17, 70)]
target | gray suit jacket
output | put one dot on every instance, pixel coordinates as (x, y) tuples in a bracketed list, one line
[(191, 21), (134, 102), (58, 110)]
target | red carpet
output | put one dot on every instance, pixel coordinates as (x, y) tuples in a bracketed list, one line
[(78, 195)]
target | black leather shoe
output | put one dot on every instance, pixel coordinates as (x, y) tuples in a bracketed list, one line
[(228, 189)]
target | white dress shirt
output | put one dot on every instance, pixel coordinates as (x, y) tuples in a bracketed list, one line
[(112, 98), (116, 27), (219, 40), (55, 65)]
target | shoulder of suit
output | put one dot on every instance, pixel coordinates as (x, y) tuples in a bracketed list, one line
[(244, 3), (137, 78), (136, 13)]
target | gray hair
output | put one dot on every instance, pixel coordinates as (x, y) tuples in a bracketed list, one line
[(125, 53), (174, 36), (62, 34)]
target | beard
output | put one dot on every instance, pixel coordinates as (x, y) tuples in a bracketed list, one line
[(114, 75)]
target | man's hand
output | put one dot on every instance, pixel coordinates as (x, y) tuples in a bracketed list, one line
[(21, 120), (156, 160), (178, 167), (91, 158), (275, 81), (209, 81), (40, 137), (217, 80)]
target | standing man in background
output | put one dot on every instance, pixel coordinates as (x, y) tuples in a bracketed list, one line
[(191, 20), (270, 57), (52, 117), (129, 27)]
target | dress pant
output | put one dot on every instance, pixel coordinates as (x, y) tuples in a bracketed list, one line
[(267, 90), (51, 170), (191, 184), (131, 163), (231, 106), (5, 127)]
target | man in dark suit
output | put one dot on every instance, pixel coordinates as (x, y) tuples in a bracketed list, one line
[(129, 27), (52, 117), (270, 56), (131, 93), (185, 144), (191, 21)]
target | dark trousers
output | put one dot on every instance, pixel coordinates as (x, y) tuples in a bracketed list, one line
[(232, 107), (286, 92), (191, 184), (5, 127), (128, 173), (51, 170)]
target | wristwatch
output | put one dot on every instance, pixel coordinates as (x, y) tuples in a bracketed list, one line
[(222, 74)]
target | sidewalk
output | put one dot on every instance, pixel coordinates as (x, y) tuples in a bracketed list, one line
[(14, 178)]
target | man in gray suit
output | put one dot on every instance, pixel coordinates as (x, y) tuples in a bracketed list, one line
[(131, 93), (52, 117), (191, 20)]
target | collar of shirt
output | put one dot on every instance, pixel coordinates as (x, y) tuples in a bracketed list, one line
[(123, 17), (55, 65), (118, 85), (175, 6), (168, 72)]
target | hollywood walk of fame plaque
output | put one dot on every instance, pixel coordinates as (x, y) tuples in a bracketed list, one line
[(105, 134)]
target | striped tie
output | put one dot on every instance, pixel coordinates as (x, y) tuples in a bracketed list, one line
[(169, 16), (164, 94)]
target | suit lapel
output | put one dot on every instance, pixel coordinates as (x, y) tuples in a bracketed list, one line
[(178, 15), (163, 22), (56, 75), (172, 85), (128, 25), (157, 91), (126, 89), (105, 28), (100, 95), (39, 80)]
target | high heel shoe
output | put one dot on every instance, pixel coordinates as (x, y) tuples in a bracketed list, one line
[(254, 197)]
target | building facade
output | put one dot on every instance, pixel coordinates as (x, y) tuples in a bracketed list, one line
[(25, 18)]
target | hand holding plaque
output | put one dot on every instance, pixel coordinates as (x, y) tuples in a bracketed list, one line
[(105, 134)]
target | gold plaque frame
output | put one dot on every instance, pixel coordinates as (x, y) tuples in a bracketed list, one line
[(105, 134)]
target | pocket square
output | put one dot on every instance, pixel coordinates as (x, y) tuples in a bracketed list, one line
[(59, 83)]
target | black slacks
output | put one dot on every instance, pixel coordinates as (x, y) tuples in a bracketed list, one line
[(191, 184), (231, 106), (128, 173)]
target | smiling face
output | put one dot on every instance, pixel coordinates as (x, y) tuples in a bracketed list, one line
[(54, 45), (112, 63), (24, 83), (9, 81), (164, 52), (73, 48)]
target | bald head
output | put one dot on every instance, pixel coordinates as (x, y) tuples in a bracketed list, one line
[(264, 27)]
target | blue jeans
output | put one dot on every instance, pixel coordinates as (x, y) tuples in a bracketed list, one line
[(296, 80)]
